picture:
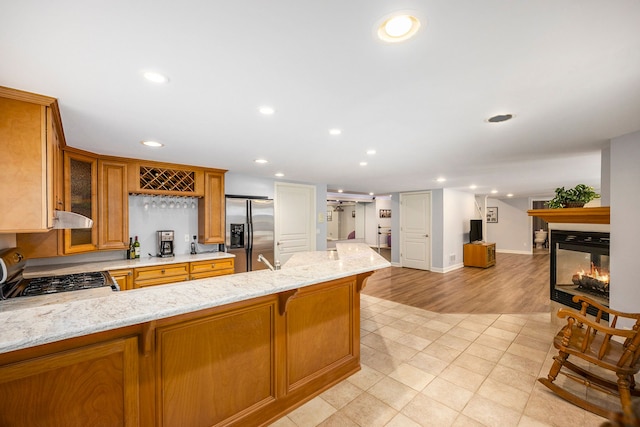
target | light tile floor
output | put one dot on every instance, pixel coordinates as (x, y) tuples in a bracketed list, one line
[(421, 368)]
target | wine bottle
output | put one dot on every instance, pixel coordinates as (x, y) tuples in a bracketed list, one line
[(130, 250), (136, 247)]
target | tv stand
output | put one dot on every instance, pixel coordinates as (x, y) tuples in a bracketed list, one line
[(479, 254)]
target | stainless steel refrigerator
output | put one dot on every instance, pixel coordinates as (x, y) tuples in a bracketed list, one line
[(249, 231)]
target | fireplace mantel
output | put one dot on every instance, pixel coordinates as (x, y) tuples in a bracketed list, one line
[(598, 215)]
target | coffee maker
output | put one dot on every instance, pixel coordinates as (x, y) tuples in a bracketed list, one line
[(165, 243)]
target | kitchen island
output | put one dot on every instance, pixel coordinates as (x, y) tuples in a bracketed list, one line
[(242, 349)]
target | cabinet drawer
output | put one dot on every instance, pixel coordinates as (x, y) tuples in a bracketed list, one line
[(161, 281), (161, 272), (211, 265)]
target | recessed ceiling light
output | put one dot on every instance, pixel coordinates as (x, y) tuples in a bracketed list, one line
[(398, 28), (363, 163), (510, 195), (371, 152), (340, 190), (371, 194), (441, 179), (494, 191), (500, 118), (266, 110), (279, 174), (261, 161), (155, 77), (153, 144), (473, 186), (335, 131)]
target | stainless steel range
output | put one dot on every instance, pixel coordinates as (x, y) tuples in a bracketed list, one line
[(12, 284)]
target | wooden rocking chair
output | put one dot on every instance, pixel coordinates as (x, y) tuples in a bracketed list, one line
[(591, 341)]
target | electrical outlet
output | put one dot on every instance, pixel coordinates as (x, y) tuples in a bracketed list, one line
[(186, 238), (452, 257)]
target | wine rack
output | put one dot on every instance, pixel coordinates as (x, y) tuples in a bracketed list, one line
[(161, 179)]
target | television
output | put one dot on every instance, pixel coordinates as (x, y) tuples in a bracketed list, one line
[(475, 233)]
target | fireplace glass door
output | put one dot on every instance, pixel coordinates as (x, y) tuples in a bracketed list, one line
[(579, 266)]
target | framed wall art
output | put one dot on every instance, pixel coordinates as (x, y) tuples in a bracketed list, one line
[(492, 215), (385, 213)]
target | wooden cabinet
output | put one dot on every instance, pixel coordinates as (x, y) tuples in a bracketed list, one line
[(124, 278), (146, 177), (479, 254), (113, 205), (211, 209), (86, 386), (159, 275), (93, 187), (27, 175), (213, 368), (211, 268), (80, 196), (246, 363)]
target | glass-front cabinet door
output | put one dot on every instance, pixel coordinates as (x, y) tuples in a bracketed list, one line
[(80, 178)]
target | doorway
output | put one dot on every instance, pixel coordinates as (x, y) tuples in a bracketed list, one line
[(538, 224), (294, 219), (415, 230)]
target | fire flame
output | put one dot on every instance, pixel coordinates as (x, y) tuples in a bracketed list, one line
[(594, 274)]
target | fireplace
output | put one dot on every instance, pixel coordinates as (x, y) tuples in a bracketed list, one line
[(579, 266)]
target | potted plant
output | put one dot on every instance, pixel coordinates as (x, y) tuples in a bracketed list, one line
[(575, 197)]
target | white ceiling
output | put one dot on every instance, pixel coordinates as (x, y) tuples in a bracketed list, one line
[(568, 70)]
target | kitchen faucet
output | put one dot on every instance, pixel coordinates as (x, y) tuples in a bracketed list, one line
[(268, 264)]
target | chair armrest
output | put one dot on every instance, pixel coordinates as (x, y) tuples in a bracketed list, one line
[(626, 333), (581, 298)]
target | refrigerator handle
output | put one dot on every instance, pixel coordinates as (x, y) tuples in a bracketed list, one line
[(249, 226)]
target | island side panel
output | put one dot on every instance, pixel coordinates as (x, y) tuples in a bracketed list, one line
[(320, 331), (214, 369)]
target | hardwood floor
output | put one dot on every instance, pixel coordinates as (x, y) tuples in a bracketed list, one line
[(516, 284)]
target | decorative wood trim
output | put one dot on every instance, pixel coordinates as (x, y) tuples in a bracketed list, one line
[(362, 280), (598, 215), (146, 343), (283, 300)]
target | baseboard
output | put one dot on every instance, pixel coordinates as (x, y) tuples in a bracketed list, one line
[(396, 264), (446, 269), (509, 251)]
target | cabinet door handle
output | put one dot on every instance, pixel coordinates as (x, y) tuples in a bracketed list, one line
[(162, 271), (213, 266)]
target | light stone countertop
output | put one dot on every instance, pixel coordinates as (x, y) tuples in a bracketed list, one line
[(60, 269), (63, 319)]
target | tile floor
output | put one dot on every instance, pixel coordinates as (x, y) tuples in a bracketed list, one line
[(421, 368)]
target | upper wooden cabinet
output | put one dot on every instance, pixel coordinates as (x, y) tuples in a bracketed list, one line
[(81, 184), (29, 142), (165, 179), (113, 205), (211, 209)]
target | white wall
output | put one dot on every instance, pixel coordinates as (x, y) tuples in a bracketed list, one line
[(384, 223), (512, 232), (144, 223), (459, 207), (333, 226), (625, 206)]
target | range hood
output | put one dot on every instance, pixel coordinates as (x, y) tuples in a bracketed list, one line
[(67, 220)]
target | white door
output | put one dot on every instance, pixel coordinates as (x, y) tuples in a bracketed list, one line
[(295, 227), (415, 230)]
